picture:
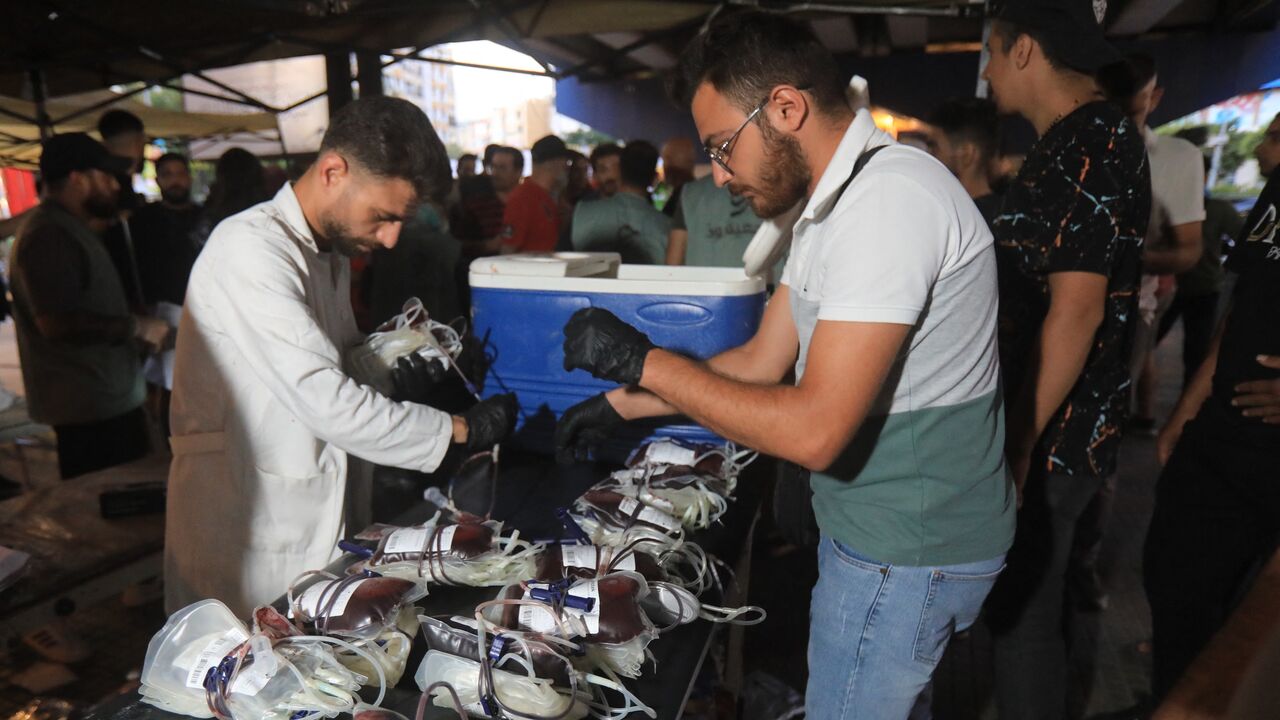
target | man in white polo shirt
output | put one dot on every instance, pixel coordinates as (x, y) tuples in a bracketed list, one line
[(887, 313)]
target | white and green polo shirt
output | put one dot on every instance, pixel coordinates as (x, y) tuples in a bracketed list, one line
[(924, 481)]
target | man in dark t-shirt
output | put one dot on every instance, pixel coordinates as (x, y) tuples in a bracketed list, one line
[(965, 136), (1217, 510), (163, 234), (1068, 252)]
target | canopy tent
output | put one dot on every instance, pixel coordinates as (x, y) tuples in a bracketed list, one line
[(59, 47), (20, 136)]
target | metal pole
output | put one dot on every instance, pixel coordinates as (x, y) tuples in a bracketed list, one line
[(985, 54), (36, 76), (337, 67)]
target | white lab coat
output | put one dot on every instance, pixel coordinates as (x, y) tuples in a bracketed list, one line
[(263, 415)]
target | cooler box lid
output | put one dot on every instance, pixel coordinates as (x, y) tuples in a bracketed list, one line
[(662, 280), (557, 264)]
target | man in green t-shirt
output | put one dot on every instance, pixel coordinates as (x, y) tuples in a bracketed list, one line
[(710, 227), (626, 223)]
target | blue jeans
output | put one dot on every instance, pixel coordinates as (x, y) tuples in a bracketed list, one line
[(877, 631)]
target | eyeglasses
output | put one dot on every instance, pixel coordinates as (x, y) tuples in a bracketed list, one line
[(720, 153)]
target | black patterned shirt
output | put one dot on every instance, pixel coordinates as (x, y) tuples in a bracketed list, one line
[(1080, 204)]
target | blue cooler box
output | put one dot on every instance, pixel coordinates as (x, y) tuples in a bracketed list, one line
[(520, 304)]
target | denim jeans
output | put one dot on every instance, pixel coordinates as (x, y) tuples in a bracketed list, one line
[(877, 631)]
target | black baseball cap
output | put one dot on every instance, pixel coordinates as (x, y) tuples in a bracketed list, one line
[(64, 154), (1072, 29), (549, 148)]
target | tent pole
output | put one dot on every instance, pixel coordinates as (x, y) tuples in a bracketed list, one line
[(36, 75), (982, 90)]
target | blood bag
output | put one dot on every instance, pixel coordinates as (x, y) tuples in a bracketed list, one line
[(353, 606)]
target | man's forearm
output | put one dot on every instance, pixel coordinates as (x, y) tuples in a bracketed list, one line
[(634, 403), (1201, 385), (773, 419), (1060, 354), (1178, 257), (1170, 261)]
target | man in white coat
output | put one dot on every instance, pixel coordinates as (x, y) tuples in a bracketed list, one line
[(263, 414)]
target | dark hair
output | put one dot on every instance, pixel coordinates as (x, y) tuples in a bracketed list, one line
[(517, 157), (1009, 32), (118, 122), (639, 163), (603, 151), (467, 157), (238, 184), (172, 157), (1122, 80), (744, 55), (391, 138), (489, 151), (972, 120)]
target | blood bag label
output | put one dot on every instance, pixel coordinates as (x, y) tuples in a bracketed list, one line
[(588, 556), (443, 542), (669, 453), (212, 654), (406, 540), (314, 596), (653, 516), (541, 618)]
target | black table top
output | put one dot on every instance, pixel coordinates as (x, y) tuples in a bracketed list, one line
[(530, 488)]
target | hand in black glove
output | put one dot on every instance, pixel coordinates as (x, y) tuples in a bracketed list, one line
[(595, 340), (583, 425), (415, 378), (490, 421)]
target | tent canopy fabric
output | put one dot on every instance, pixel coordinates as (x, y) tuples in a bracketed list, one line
[(20, 137), (80, 46)]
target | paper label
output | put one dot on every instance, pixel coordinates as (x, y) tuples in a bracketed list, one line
[(669, 453), (542, 619), (407, 540), (588, 556), (443, 542), (650, 515), (212, 654), (312, 596)]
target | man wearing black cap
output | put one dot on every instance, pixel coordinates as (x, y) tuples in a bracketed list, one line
[(1068, 244), (532, 217), (75, 331)]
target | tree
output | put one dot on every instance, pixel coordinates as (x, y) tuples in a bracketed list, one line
[(586, 137)]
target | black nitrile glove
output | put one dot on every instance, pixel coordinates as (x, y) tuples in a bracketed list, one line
[(414, 378), (595, 340), (490, 421), (583, 425)]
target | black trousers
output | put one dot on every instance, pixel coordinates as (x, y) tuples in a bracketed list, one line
[(106, 443), (1198, 314), (1217, 514)]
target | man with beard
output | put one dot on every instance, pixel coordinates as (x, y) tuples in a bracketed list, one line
[(264, 415), (887, 313), (77, 340), (162, 234)]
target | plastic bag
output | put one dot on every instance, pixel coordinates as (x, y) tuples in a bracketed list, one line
[(205, 663), (372, 361), (355, 606), (522, 694), (557, 562), (614, 519), (468, 553), (604, 613)]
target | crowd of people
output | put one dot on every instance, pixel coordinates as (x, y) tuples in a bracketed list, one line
[(951, 359)]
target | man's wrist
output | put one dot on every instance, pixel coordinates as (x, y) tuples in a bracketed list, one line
[(460, 430)]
